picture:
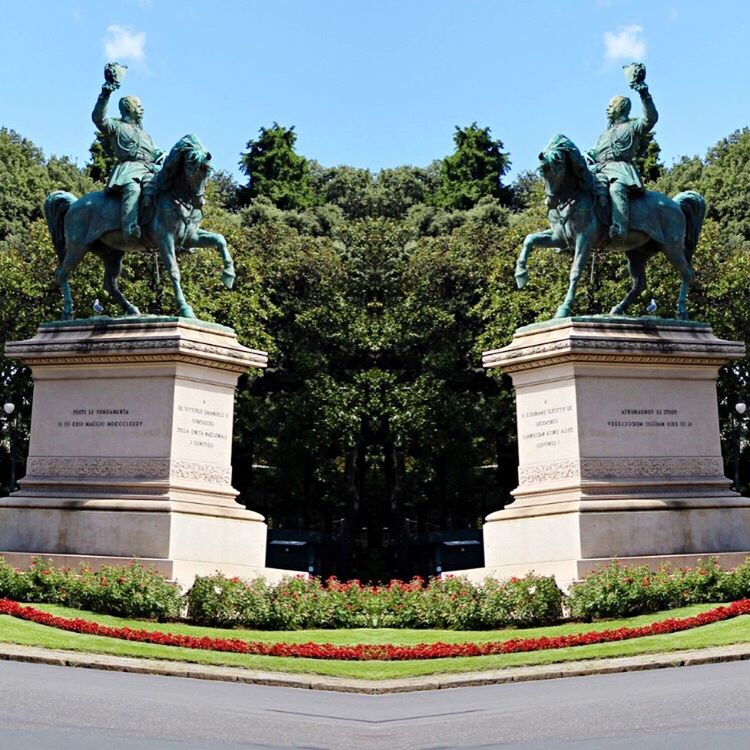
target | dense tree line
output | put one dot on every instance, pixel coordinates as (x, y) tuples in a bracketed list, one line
[(375, 295)]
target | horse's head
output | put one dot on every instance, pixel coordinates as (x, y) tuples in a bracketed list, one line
[(553, 171), (186, 170), (564, 171)]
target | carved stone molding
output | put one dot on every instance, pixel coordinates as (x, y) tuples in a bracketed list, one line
[(201, 472), (611, 468), (612, 350), (548, 472), (707, 467), (127, 468), (563, 359), (106, 467), (150, 350)]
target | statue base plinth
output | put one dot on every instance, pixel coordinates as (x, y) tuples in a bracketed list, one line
[(619, 450), (130, 450)]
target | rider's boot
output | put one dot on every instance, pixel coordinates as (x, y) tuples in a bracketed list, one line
[(130, 229), (620, 210)]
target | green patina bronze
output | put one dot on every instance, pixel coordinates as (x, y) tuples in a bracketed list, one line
[(617, 147), (645, 321), (150, 203), (640, 223), (104, 321), (137, 156)]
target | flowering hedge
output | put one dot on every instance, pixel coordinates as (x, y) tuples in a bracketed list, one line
[(375, 652), (620, 591), (447, 603), (125, 591), (297, 603)]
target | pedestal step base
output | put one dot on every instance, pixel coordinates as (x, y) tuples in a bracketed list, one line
[(182, 572), (179, 544), (570, 545)]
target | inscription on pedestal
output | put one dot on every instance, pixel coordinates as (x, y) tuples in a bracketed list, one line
[(650, 418), (546, 426), (108, 418), (203, 427)]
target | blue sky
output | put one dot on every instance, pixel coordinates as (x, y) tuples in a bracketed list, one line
[(374, 84)]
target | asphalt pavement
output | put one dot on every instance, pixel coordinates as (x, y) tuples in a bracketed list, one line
[(46, 707)]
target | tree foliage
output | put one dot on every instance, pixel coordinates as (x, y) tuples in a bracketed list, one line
[(275, 170), (474, 170), (374, 295), (102, 159), (648, 160)]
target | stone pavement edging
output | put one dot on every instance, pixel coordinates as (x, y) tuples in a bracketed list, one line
[(35, 655)]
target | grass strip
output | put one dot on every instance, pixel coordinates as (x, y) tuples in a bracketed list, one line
[(719, 634), (376, 652)]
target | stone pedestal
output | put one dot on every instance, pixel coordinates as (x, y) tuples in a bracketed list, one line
[(130, 451), (619, 450)]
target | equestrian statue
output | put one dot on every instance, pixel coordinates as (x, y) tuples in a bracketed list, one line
[(150, 202), (596, 201)]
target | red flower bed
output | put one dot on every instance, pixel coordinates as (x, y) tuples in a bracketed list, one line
[(374, 652)]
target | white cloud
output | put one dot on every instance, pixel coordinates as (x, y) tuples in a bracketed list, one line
[(627, 44), (122, 43)]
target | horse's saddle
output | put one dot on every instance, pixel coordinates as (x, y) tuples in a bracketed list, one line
[(643, 218)]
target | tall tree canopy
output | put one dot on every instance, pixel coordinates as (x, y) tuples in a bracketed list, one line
[(275, 170), (474, 170)]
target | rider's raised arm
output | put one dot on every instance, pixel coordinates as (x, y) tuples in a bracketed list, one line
[(649, 117), (104, 124)]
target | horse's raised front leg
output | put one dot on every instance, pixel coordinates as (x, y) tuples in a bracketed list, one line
[(213, 239), (537, 239), (168, 257), (583, 250)]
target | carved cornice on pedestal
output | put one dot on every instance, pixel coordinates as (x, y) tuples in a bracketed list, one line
[(606, 340), (165, 340)]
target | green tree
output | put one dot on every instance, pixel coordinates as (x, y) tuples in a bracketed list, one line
[(723, 177), (26, 177), (474, 170), (648, 160), (102, 159), (275, 170), (349, 188), (397, 190)]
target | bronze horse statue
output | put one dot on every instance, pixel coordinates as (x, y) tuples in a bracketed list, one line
[(170, 220), (578, 217)]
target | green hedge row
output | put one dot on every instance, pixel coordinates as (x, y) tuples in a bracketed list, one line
[(620, 591), (297, 603), (452, 603), (131, 591)]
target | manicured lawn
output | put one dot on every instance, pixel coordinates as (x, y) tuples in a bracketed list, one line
[(731, 631)]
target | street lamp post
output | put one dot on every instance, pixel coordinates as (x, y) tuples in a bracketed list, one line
[(9, 408), (740, 408)]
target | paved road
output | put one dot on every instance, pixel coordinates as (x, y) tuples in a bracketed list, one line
[(60, 708)]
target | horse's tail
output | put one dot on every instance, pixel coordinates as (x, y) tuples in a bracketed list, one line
[(693, 206), (55, 209)]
